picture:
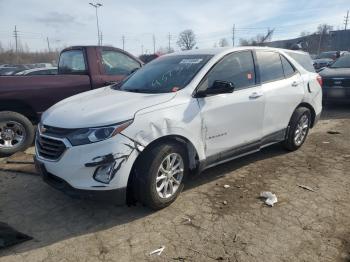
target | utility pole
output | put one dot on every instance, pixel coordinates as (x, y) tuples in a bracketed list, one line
[(48, 44), (169, 39), (346, 20), (141, 49), (97, 5), (233, 35), (15, 34), (154, 44), (101, 38), (123, 40)]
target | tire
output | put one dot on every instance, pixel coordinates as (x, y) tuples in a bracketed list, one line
[(19, 128), (148, 168), (301, 120)]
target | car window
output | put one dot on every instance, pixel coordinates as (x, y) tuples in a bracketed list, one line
[(342, 62), (164, 74), (270, 66), (304, 60), (72, 62), (288, 69), (116, 63), (236, 68)]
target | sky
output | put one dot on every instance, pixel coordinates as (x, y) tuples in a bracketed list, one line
[(73, 22)]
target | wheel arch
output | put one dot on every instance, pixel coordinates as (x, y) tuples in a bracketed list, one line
[(312, 111), (192, 155), (21, 108)]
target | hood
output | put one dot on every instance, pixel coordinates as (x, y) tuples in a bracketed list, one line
[(100, 107), (335, 72)]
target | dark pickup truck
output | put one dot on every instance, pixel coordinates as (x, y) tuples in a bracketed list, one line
[(80, 68)]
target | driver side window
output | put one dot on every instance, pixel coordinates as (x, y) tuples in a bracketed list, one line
[(237, 68)]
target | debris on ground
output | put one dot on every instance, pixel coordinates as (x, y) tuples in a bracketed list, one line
[(332, 132), (307, 188), (325, 142), (157, 251), (225, 202), (226, 186), (271, 199), (24, 162), (186, 219), (10, 237)]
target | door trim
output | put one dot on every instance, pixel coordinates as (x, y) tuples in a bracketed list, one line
[(243, 150)]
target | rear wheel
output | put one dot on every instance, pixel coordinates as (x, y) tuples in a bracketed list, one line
[(160, 173), (299, 126), (16, 132)]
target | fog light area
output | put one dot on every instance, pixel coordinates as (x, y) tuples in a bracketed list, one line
[(104, 173)]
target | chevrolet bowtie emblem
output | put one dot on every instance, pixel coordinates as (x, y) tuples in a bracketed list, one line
[(42, 129)]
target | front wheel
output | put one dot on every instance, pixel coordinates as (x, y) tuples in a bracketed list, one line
[(16, 132), (160, 175), (299, 126)]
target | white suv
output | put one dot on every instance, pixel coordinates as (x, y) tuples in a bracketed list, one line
[(187, 111)]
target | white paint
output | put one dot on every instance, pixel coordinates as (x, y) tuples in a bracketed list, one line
[(228, 120)]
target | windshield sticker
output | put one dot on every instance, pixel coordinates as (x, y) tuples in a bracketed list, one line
[(191, 61)]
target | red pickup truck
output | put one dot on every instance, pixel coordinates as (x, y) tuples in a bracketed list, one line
[(80, 68)]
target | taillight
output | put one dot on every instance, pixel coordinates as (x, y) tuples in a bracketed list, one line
[(319, 80)]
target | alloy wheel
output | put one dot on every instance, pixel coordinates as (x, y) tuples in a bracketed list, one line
[(170, 174)]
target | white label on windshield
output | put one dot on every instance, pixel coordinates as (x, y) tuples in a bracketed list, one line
[(191, 61)]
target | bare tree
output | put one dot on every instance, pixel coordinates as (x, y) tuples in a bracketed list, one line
[(187, 40), (257, 40), (223, 42), (324, 29)]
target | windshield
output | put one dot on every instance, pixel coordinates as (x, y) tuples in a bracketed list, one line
[(165, 74), (342, 62)]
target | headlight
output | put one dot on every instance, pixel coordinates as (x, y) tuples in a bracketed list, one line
[(96, 134)]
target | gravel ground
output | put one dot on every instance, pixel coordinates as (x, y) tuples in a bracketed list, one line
[(208, 222)]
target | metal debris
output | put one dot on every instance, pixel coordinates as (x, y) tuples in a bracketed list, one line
[(271, 199), (157, 251), (226, 186), (307, 188), (325, 142), (186, 219)]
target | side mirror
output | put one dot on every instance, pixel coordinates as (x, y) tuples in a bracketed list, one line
[(218, 87)]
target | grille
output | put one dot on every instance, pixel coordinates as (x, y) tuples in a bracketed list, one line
[(57, 132), (50, 148)]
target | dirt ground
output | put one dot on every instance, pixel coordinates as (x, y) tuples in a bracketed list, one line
[(303, 225)]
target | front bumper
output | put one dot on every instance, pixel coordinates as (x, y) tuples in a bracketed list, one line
[(75, 168), (115, 196)]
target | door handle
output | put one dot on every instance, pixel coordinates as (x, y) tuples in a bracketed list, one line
[(255, 95), (295, 84)]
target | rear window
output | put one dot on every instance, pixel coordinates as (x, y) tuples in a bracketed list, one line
[(270, 66), (287, 67), (303, 59)]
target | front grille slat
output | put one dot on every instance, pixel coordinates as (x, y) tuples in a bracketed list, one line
[(49, 148)]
